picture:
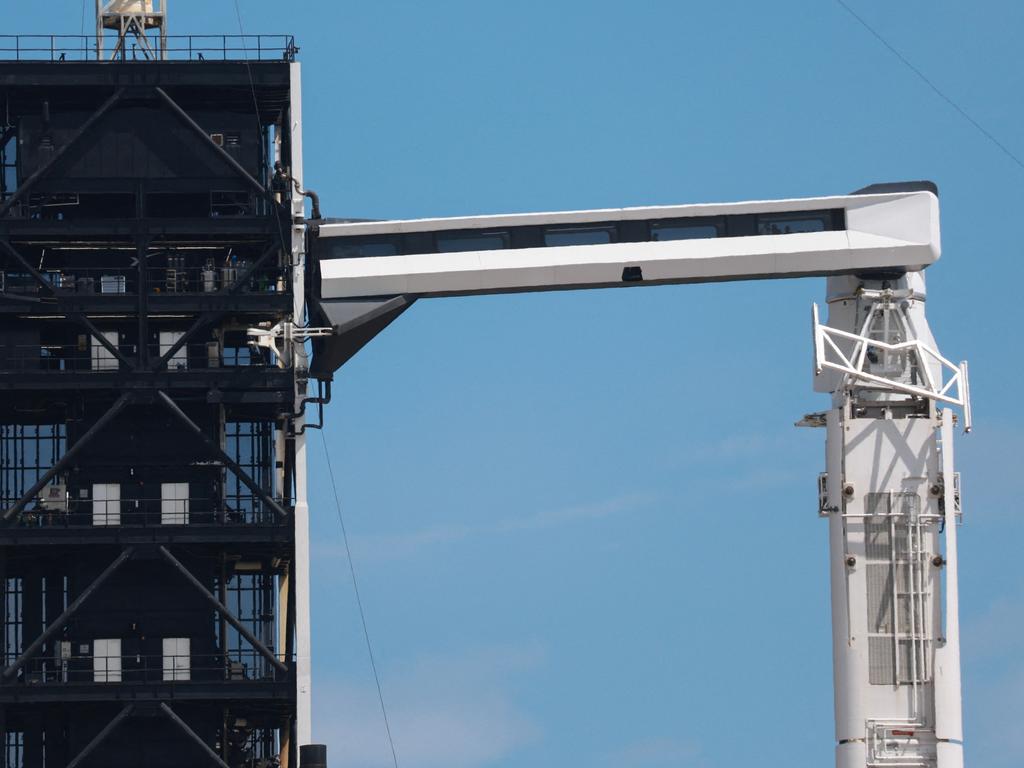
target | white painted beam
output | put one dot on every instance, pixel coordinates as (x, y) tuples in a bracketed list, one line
[(896, 231)]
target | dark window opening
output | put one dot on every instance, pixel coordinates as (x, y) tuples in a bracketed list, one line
[(13, 636), (170, 205), (356, 249), (27, 451), (8, 165), (230, 203), (251, 445), (482, 241), (601, 233), (578, 236), (252, 598), (58, 206), (14, 749), (678, 230), (791, 224)]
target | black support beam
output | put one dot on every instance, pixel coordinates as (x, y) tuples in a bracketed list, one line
[(222, 609), (207, 749), (100, 737), (71, 453), (198, 130), (59, 623), (215, 449), (27, 185)]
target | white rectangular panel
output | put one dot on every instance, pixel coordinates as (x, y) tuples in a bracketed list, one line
[(179, 360), (177, 659), (106, 504), (102, 358), (174, 503), (106, 660)]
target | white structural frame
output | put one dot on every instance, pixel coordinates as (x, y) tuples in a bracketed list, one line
[(889, 492), (132, 19), (827, 344), (882, 231)]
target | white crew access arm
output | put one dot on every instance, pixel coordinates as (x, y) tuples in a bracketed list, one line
[(895, 232), (370, 272)]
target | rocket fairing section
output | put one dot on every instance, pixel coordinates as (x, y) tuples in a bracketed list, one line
[(892, 502), (889, 492)]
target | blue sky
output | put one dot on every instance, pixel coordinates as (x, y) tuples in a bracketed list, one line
[(583, 523)]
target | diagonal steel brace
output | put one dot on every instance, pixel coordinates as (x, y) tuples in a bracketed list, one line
[(27, 185), (174, 718), (233, 465), (73, 451), (59, 623), (102, 735), (222, 610)]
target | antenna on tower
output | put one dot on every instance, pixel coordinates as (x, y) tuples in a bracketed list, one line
[(140, 26)]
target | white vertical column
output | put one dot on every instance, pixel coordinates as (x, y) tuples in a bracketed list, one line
[(948, 697), (303, 647)]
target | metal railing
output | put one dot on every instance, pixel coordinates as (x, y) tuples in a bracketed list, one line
[(112, 281), (149, 513), (92, 357), (128, 668), (58, 48)]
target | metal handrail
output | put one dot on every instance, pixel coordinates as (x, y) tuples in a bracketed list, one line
[(151, 513), (163, 280), (126, 668), (63, 48), (71, 358)]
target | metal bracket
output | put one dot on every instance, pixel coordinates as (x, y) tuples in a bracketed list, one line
[(278, 338)]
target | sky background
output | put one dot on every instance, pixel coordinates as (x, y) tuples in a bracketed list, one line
[(583, 523)]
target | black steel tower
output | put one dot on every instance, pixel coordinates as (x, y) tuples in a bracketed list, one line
[(147, 442)]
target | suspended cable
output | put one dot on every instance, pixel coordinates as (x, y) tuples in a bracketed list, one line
[(359, 601), (927, 81)]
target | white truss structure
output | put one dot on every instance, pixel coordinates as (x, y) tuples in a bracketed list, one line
[(141, 24), (829, 353)]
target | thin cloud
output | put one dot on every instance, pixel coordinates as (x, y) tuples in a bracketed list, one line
[(445, 712), (378, 547), (658, 753)]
